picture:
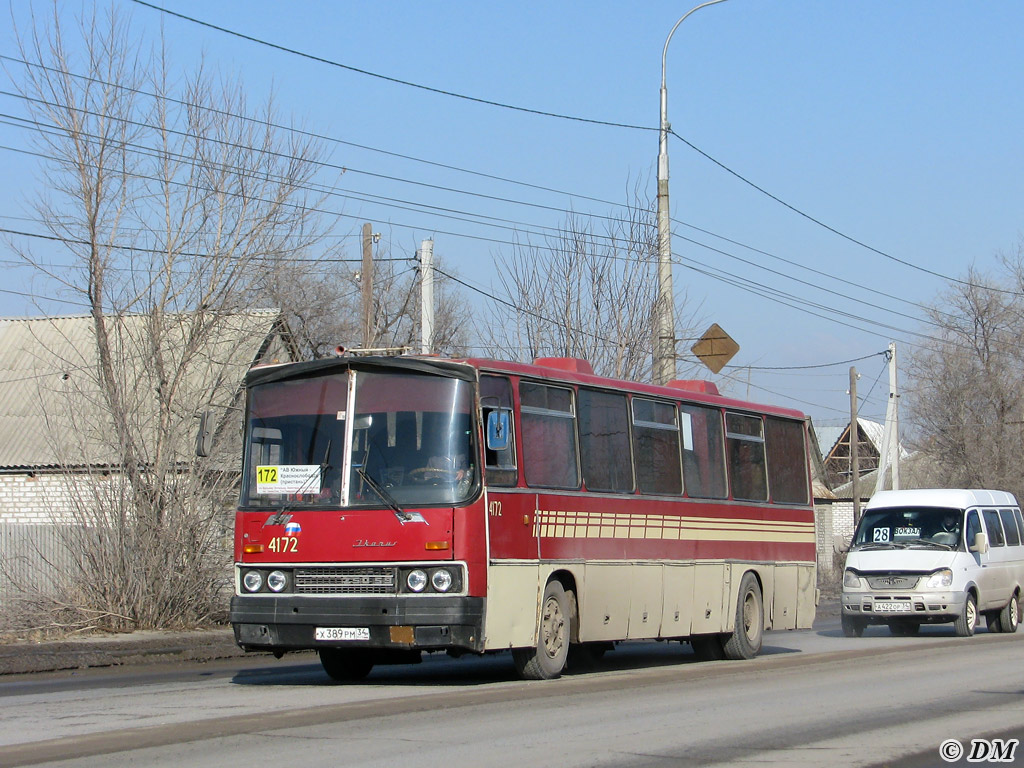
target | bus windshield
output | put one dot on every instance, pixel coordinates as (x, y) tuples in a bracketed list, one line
[(408, 441), (909, 527)]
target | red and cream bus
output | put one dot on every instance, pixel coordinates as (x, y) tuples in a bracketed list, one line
[(395, 505)]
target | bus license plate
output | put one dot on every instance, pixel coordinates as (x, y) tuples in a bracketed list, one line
[(893, 607), (342, 633)]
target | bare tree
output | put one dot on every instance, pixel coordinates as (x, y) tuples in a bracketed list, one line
[(966, 382), (397, 304), (169, 201), (322, 301), (584, 294)]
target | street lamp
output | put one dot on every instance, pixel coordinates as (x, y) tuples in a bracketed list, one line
[(664, 368)]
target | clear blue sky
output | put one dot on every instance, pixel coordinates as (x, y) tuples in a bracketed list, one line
[(896, 123)]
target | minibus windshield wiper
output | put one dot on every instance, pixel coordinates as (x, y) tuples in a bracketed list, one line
[(387, 498), (928, 543)]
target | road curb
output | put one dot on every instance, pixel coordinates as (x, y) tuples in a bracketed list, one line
[(117, 650)]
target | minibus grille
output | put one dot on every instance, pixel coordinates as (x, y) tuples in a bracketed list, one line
[(345, 581), (893, 581)]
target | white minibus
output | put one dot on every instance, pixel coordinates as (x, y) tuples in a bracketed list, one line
[(935, 556)]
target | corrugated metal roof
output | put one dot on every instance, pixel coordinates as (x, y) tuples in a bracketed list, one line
[(52, 409), (827, 438)]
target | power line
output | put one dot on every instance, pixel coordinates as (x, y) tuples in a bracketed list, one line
[(804, 367), (407, 83), (832, 229), (492, 103), (362, 197)]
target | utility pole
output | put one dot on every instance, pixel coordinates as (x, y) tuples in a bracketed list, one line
[(854, 446), (894, 407), (366, 286), (427, 297), (890, 453), (664, 341)]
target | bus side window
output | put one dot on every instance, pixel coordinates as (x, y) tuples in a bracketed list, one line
[(604, 441), (656, 446), (745, 443), (787, 461), (499, 463), (703, 455), (550, 458)]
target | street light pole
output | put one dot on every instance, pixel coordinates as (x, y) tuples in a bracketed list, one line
[(664, 364)]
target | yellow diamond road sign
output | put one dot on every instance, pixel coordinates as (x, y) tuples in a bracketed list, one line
[(715, 348)]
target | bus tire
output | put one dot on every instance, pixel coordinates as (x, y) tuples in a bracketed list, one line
[(967, 621), (346, 665), (547, 660), (1009, 617), (744, 641)]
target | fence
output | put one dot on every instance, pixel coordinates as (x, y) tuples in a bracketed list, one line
[(31, 557)]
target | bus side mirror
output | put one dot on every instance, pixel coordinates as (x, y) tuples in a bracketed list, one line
[(980, 544), (204, 438), (498, 430)]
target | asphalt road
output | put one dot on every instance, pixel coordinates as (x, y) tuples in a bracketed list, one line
[(813, 698)]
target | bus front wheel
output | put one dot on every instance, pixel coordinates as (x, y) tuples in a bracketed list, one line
[(346, 665), (547, 660)]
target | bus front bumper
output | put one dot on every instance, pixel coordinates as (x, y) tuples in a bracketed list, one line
[(281, 623)]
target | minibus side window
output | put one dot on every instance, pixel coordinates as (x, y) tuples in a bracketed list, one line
[(973, 527), (994, 528), (1010, 526)]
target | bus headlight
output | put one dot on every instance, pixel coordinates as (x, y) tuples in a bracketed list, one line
[(441, 579), (941, 579), (252, 581), (851, 579), (417, 580), (277, 581)]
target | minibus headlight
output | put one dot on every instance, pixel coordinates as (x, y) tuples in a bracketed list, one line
[(252, 581), (941, 579), (851, 579), (441, 579), (277, 581), (417, 580)]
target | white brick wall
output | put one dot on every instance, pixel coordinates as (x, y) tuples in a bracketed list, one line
[(42, 498), (32, 499)]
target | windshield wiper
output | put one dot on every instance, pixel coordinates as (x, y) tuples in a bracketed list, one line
[(928, 543), (387, 498)]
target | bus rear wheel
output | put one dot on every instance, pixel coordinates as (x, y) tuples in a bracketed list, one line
[(547, 660), (346, 665), (744, 641)]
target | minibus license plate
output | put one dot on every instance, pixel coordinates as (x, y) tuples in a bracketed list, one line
[(893, 607), (342, 633)]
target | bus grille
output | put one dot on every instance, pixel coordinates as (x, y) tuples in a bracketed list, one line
[(345, 581)]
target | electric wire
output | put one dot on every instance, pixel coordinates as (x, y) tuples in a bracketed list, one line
[(488, 102), (457, 191)]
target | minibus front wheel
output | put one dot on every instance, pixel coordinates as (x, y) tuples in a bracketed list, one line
[(967, 621)]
